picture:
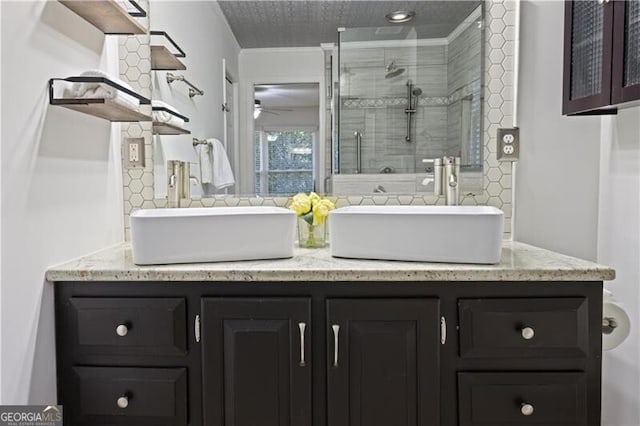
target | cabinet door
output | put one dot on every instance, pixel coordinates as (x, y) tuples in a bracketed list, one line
[(383, 362), (587, 55), (626, 51), (256, 362)]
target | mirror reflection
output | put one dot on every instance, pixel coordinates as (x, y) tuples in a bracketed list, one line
[(286, 137), (390, 98)]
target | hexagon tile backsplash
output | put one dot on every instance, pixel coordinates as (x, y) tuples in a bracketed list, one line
[(500, 38)]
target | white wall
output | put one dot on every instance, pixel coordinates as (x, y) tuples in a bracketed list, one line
[(578, 190), (619, 247), (270, 66), (205, 47), (556, 195), (61, 182)]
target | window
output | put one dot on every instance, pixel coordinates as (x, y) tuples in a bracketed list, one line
[(284, 161)]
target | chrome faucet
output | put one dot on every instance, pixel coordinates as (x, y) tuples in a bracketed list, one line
[(451, 180), (178, 182), (446, 178)]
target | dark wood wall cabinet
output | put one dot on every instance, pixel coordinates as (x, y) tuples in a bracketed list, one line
[(329, 354), (601, 56)]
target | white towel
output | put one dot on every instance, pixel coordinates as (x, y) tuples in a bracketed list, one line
[(206, 165), (222, 173), (101, 90), (164, 116)]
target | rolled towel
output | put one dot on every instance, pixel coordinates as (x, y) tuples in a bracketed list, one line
[(164, 116), (111, 93), (161, 116), (88, 90)]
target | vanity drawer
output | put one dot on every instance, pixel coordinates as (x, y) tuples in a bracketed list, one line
[(130, 326), (523, 328), (129, 396), (550, 399)]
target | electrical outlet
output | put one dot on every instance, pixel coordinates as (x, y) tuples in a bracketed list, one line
[(508, 144), (134, 152)]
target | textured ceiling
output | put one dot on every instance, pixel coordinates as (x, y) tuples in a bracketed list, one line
[(259, 24)]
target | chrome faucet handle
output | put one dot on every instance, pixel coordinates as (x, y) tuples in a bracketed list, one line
[(451, 173), (437, 175), (453, 180)]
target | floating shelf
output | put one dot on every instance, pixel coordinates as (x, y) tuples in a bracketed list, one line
[(104, 108), (162, 59), (160, 128), (108, 16), (164, 128)]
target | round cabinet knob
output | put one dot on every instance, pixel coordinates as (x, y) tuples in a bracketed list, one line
[(526, 409), (123, 402), (122, 330), (528, 333)]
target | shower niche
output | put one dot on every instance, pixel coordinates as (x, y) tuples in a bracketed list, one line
[(407, 94)]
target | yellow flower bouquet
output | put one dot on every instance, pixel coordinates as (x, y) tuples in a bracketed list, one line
[(312, 211)]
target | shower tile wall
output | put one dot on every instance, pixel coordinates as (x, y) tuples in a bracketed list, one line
[(374, 106)]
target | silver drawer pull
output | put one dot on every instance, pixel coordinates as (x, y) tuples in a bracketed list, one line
[(528, 333), (122, 330), (526, 409), (302, 326), (336, 330), (123, 401)]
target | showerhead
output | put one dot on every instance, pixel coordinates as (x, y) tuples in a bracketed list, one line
[(392, 70), (417, 91)]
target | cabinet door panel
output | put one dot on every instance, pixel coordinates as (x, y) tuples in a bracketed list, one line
[(587, 55), (384, 368), (251, 361), (626, 51)]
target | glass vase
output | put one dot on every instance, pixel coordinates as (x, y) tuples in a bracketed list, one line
[(311, 236)]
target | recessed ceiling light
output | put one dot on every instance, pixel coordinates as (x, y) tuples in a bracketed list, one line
[(400, 16)]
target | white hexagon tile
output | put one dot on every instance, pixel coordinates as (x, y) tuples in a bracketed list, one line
[(498, 112)]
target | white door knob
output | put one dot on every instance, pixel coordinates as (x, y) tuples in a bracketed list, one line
[(122, 330), (123, 402)]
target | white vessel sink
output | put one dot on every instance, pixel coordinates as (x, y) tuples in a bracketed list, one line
[(455, 234), (162, 236)]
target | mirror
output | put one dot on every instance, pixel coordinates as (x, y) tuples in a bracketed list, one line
[(287, 138), (385, 97)]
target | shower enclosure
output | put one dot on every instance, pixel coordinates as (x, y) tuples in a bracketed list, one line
[(408, 93)]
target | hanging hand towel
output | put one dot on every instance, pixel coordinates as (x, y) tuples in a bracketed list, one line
[(222, 173), (206, 165)]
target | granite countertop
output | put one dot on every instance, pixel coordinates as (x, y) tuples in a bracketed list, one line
[(520, 262)]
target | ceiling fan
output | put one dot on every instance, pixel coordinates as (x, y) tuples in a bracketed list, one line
[(258, 109)]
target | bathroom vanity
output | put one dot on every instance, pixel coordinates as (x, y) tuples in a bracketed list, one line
[(316, 340)]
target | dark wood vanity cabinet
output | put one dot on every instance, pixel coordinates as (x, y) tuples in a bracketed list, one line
[(601, 55), (256, 361), (383, 362), (329, 354)]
